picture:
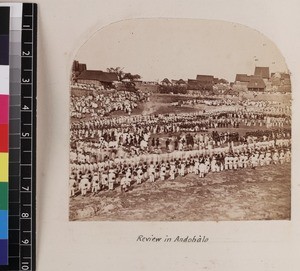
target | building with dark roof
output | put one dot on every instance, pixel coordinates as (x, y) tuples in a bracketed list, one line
[(202, 82), (281, 82), (264, 72), (261, 81), (242, 78), (166, 81), (178, 82), (249, 82), (97, 78), (181, 82), (241, 82), (205, 79), (256, 83), (193, 84)]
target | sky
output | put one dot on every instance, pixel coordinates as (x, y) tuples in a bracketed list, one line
[(180, 49)]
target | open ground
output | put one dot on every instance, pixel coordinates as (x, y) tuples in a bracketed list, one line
[(247, 194)]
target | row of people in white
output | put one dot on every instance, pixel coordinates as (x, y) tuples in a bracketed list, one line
[(207, 119), (91, 152), (108, 178)]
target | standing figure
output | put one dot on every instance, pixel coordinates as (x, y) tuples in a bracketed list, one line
[(151, 171), (95, 183), (84, 185)]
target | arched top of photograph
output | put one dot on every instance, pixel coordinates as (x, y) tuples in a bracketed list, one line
[(180, 48), (170, 111)]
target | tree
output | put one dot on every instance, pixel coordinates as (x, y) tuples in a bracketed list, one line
[(131, 77), (122, 75), (118, 71), (127, 79)]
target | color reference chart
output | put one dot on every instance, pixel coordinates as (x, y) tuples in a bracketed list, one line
[(20, 111), (4, 128)]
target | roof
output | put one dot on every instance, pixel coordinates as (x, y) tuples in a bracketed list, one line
[(242, 77), (264, 72), (166, 80), (256, 82), (192, 81), (205, 78), (101, 76), (180, 81)]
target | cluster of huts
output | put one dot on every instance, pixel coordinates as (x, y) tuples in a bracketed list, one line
[(260, 81)]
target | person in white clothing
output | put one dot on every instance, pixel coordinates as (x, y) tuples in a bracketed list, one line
[(172, 170), (111, 179), (124, 184), (104, 179), (95, 183), (235, 160), (182, 168), (202, 168), (226, 162), (213, 164), (151, 172), (230, 162), (72, 185), (241, 160), (84, 185), (281, 157), (139, 176), (275, 157), (268, 158), (196, 166), (254, 161), (162, 172)]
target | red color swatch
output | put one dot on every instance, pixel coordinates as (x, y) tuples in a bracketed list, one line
[(3, 137)]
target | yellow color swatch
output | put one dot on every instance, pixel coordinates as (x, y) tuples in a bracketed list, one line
[(3, 167)]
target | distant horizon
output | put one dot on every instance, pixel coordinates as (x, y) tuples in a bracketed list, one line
[(180, 49)]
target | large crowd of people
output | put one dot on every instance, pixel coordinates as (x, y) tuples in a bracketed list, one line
[(199, 120), (109, 151), (103, 103), (88, 175), (87, 86), (209, 102), (267, 107), (137, 135)]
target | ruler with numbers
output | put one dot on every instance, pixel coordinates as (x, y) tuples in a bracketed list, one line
[(21, 138)]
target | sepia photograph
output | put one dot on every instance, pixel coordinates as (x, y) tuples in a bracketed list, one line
[(179, 120)]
